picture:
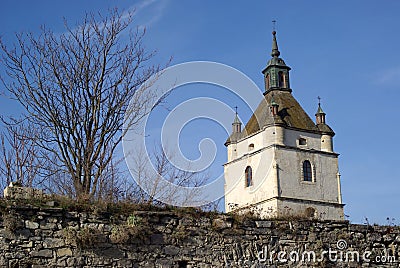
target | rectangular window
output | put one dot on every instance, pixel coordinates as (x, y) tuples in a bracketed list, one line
[(302, 141)]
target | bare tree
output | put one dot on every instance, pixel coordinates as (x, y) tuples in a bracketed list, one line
[(21, 159), (152, 189), (111, 182), (76, 86)]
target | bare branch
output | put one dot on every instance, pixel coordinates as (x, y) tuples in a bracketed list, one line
[(76, 87)]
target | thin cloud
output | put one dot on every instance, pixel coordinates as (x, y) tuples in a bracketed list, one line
[(137, 8), (146, 13), (390, 77), (150, 12), (144, 4)]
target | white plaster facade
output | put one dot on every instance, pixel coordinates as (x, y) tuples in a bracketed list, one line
[(278, 187), (276, 148)]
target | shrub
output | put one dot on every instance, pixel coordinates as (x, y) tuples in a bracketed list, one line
[(11, 222), (134, 227), (85, 237)]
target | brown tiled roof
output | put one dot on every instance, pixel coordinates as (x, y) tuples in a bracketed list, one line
[(290, 114)]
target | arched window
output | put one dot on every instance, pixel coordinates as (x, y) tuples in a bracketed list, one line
[(267, 84), (281, 79), (307, 171), (249, 176), (251, 147)]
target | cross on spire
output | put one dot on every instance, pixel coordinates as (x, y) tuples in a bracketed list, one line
[(320, 112)]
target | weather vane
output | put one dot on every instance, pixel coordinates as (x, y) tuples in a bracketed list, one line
[(273, 25), (236, 109), (319, 101)]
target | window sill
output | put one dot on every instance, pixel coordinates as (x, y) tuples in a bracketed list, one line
[(307, 182)]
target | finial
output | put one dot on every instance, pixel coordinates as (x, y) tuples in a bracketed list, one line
[(319, 111), (275, 51), (236, 109)]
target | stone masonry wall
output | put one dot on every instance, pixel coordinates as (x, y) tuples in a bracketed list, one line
[(52, 237)]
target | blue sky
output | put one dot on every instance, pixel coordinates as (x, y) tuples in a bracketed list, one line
[(347, 52)]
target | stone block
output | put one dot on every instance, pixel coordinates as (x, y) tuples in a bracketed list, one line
[(48, 226), (44, 253), (263, 224), (31, 225), (157, 239), (61, 252), (113, 253), (221, 224), (27, 245), (171, 250), (53, 242)]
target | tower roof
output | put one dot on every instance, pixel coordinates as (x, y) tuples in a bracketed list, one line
[(236, 120), (290, 112), (290, 115), (319, 111)]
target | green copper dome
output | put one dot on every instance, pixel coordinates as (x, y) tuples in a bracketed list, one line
[(276, 62), (276, 73)]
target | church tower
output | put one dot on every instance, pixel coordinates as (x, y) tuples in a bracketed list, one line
[(282, 163)]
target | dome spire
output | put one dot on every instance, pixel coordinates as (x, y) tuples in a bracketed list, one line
[(275, 51)]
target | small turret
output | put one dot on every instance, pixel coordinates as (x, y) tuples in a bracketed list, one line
[(236, 125), (234, 137), (320, 115), (278, 124), (327, 132), (274, 107)]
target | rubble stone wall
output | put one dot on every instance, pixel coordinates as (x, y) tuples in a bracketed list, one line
[(52, 237)]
